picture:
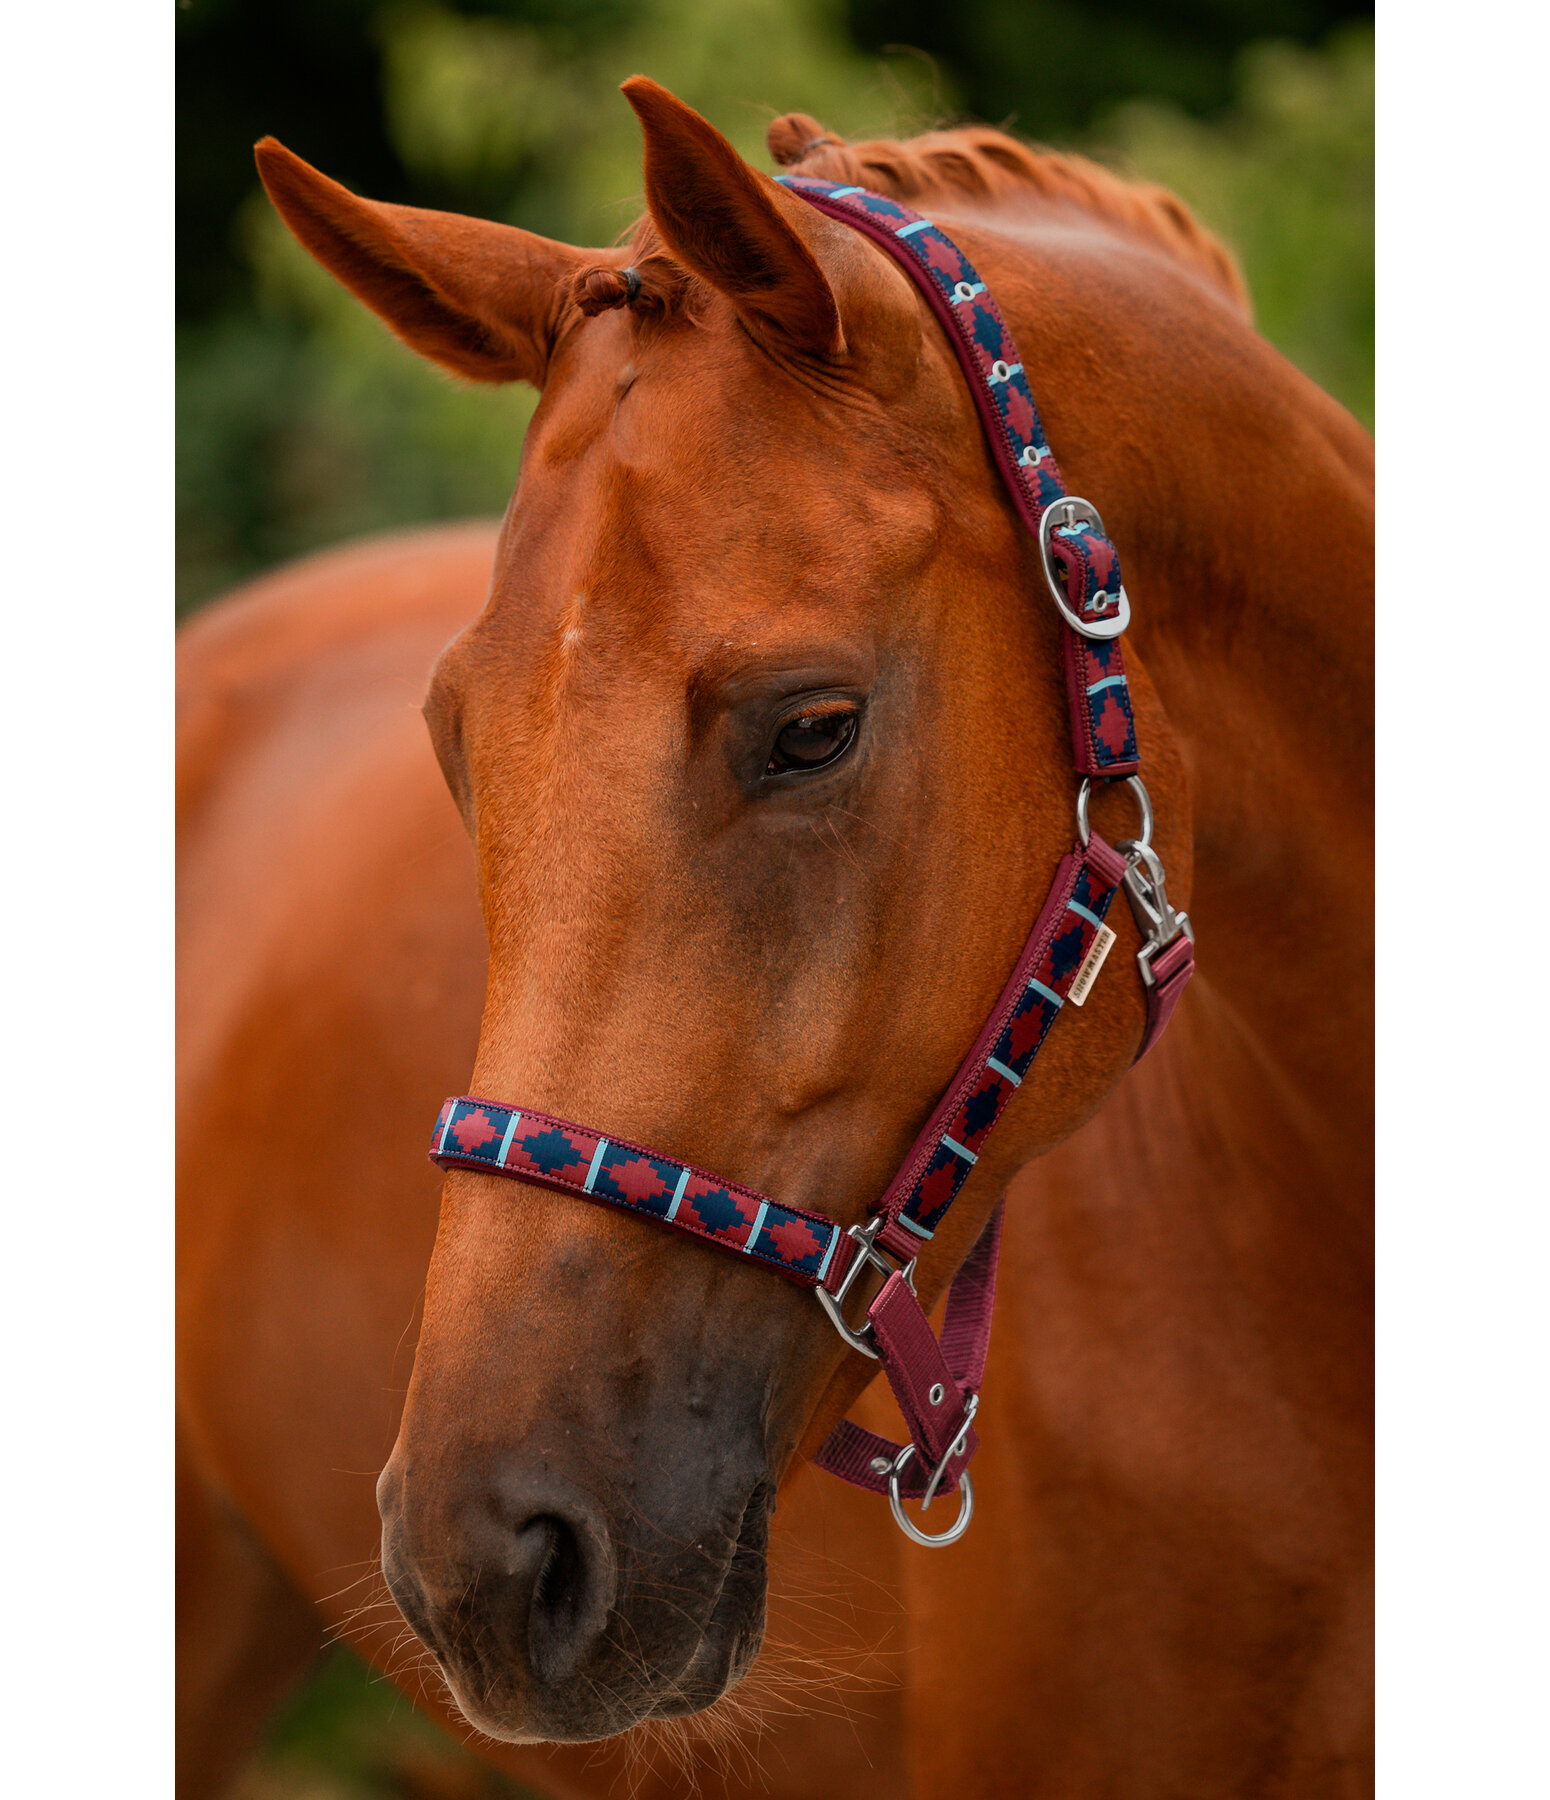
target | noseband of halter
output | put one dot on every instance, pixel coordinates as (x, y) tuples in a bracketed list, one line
[(935, 1383)]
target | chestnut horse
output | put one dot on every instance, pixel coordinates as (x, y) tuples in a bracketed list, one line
[(758, 736)]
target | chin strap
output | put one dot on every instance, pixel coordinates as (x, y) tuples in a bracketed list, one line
[(937, 1387)]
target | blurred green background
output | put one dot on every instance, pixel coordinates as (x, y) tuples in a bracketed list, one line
[(301, 421)]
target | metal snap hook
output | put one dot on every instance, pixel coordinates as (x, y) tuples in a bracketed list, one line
[(1147, 891)]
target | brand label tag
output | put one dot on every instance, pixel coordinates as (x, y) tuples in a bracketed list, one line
[(1091, 964)]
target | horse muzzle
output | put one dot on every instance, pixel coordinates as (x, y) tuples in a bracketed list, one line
[(555, 1618)]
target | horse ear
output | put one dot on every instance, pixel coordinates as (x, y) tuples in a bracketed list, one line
[(479, 298), (734, 227)]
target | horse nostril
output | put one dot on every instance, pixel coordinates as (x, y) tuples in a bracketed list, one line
[(558, 1569), (558, 1610), (558, 1573)]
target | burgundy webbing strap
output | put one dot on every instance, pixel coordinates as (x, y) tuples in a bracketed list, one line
[(1171, 970)]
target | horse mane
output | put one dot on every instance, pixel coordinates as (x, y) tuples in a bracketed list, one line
[(972, 162)]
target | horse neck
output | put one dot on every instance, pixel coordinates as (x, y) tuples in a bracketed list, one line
[(1259, 641), (1240, 498)]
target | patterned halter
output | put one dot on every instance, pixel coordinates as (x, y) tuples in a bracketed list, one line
[(936, 1384)]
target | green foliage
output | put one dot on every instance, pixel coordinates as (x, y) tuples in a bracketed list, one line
[(507, 106), (348, 1734), (1286, 178), (1048, 68), (303, 421)]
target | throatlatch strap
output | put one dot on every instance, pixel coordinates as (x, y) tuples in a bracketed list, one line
[(1171, 971)]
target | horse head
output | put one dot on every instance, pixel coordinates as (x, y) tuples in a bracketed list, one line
[(762, 742)]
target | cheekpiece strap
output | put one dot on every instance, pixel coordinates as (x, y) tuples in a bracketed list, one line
[(1036, 993), (1103, 729)]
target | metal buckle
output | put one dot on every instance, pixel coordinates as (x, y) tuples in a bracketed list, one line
[(1147, 893), (872, 1257), (1143, 799), (1074, 513), (965, 1487)]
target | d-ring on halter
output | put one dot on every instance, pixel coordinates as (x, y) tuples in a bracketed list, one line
[(936, 1384)]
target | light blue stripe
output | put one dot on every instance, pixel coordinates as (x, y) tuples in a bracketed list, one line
[(451, 1115), (835, 193), (758, 1226), (678, 1194), (1001, 1069), (828, 1255), (1109, 681), (597, 1163), (1011, 370), (1081, 911), (511, 1132), (1048, 993), (958, 1150), (910, 230), (919, 1230), (974, 287)]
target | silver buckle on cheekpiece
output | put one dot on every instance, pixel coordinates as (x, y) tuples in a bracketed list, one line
[(870, 1257), (1071, 516)]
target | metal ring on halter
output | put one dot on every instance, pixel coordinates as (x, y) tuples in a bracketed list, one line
[(1063, 515), (870, 1257), (1143, 800), (911, 1530)]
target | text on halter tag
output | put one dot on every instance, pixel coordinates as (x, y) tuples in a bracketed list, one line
[(1091, 964)]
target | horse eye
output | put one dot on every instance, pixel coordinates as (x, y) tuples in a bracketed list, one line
[(811, 742)]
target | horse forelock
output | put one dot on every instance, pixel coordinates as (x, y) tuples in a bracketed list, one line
[(970, 163)]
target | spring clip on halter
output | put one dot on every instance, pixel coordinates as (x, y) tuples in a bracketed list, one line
[(1145, 884)]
